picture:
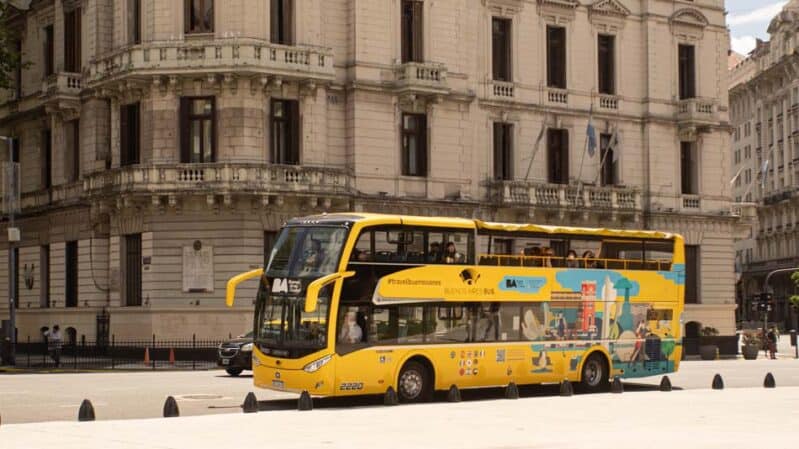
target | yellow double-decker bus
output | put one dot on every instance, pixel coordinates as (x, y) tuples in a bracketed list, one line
[(355, 303)]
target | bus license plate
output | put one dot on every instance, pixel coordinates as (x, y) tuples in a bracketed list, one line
[(226, 361), (278, 384)]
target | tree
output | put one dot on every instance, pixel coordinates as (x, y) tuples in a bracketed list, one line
[(10, 58), (795, 298)]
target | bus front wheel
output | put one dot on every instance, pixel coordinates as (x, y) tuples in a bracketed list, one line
[(414, 383), (594, 376)]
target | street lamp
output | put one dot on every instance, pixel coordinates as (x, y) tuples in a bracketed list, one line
[(10, 202)]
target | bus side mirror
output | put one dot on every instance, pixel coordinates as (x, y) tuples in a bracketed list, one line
[(312, 292), (230, 291)]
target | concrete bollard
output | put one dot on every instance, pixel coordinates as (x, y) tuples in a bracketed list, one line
[(171, 408), (454, 394), (616, 386), (390, 398), (512, 391), (769, 382), (665, 384), (718, 383), (566, 388), (86, 411), (305, 402), (250, 403)]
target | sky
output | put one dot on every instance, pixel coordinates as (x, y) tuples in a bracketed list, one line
[(748, 20)]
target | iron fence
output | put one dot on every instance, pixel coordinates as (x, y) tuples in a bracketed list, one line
[(120, 354)]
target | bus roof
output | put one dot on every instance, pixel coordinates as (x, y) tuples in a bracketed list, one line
[(387, 219)]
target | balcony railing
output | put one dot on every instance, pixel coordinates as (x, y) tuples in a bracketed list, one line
[(691, 202), (424, 75), (62, 83), (222, 178), (501, 90), (696, 111), (558, 96), (608, 102), (565, 196), (216, 56)]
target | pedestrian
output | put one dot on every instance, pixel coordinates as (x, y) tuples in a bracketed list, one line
[(771, 337), (54, 343)]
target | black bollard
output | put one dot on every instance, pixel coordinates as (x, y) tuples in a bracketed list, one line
[(454, 394), (86, 411), (665, 384), (769, 381), (616, 386), (512, 391), (718, 383), (390, 398), (171, 408), (305, 402), (250, 403), (566, 388)]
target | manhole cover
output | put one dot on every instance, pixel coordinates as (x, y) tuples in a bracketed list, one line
[(199, 397)]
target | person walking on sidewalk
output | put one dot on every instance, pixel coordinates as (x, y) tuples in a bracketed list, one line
[(54, 343), (771, 338)]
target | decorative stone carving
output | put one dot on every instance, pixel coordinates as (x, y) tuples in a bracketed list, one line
[(688, 24), (608, 15), (557, 12), (504, 7)]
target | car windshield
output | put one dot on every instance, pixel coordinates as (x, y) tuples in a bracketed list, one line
[(306, 251)]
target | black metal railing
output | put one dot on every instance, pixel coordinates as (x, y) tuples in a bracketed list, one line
[(111, 354)]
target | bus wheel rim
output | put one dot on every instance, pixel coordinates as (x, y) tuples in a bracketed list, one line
[(411, 383), (593, 372)]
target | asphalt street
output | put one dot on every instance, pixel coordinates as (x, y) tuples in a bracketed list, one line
[(28, 398)]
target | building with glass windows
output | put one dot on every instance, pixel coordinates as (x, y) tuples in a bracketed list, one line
[(163, 143)]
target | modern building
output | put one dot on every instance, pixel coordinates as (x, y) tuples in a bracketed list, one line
[(162, 143), (764, 112)]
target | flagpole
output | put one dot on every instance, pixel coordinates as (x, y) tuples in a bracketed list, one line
[(585, 147), (535, 148)]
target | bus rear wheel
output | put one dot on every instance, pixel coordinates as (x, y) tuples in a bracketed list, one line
[(594, 376), (414, 383)]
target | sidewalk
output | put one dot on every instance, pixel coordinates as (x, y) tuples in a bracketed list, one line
[(693, 418)]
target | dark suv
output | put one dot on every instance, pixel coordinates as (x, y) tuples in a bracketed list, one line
[(236, 355)]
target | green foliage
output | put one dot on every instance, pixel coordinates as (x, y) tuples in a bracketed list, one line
[(795, 298), (752, 338), (9, 58), (709, 331)]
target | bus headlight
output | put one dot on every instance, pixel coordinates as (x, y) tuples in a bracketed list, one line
[(315, 365)]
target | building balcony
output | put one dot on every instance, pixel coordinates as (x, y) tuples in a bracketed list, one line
[(691, 203), (61, 91), (56, 196), (500, 90), (191, 57), (608, 102), (697, 112), (421, 78), (563, 197), (220, 179), (557, 96)]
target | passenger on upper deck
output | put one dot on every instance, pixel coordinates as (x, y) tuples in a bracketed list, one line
[(571, 259), (434, 255), (452, 256), (589, 259)]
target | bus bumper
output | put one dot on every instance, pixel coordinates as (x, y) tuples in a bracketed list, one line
[(318, 383)]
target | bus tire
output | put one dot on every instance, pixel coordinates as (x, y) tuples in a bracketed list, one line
[(414, 383), (594, 374), (234, 371)]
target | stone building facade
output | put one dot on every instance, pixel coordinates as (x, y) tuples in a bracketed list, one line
[(764, 113), (162, 151)]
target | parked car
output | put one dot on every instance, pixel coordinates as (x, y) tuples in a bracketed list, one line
[(236, 355)]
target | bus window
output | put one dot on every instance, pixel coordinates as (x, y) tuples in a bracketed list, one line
[(451, 324), (352, 325), (385, 249), (509, 322), (363, 248), (587, 251), (486, 322), (622, 254), (410, 324), (381, 327), (658, 255), (533, 322)]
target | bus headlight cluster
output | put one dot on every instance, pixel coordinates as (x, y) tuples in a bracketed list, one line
[(315, 365)]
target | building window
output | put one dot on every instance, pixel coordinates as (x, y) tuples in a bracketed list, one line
[(15, 149), (49, 50), (269, 242), (72, 140), (281, 14), (503, 151), (44, 275), (129, 134), (285, 132), (133, 276), (501, 49), (412, 31), (558, 156), (134, 21), (692, 274), (556, 57), (689, 169), (687, 72), (198, 16), (607, 159), (72, 38), (18, 70), (71, 274), (414, 145), (198, 128), (47, 159), (607, 64)]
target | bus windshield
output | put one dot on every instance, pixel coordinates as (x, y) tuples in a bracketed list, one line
[(303, 252)]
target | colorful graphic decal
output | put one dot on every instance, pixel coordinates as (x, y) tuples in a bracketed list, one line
[(676, 275), (522, 284)]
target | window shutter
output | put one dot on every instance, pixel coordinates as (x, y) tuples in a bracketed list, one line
[(418, 34), (497, 151), (293, 116), (187, 4), (185, 104), (124, 136)]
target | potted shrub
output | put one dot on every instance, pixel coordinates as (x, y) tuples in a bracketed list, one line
[(751, 345), (708, 350)]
